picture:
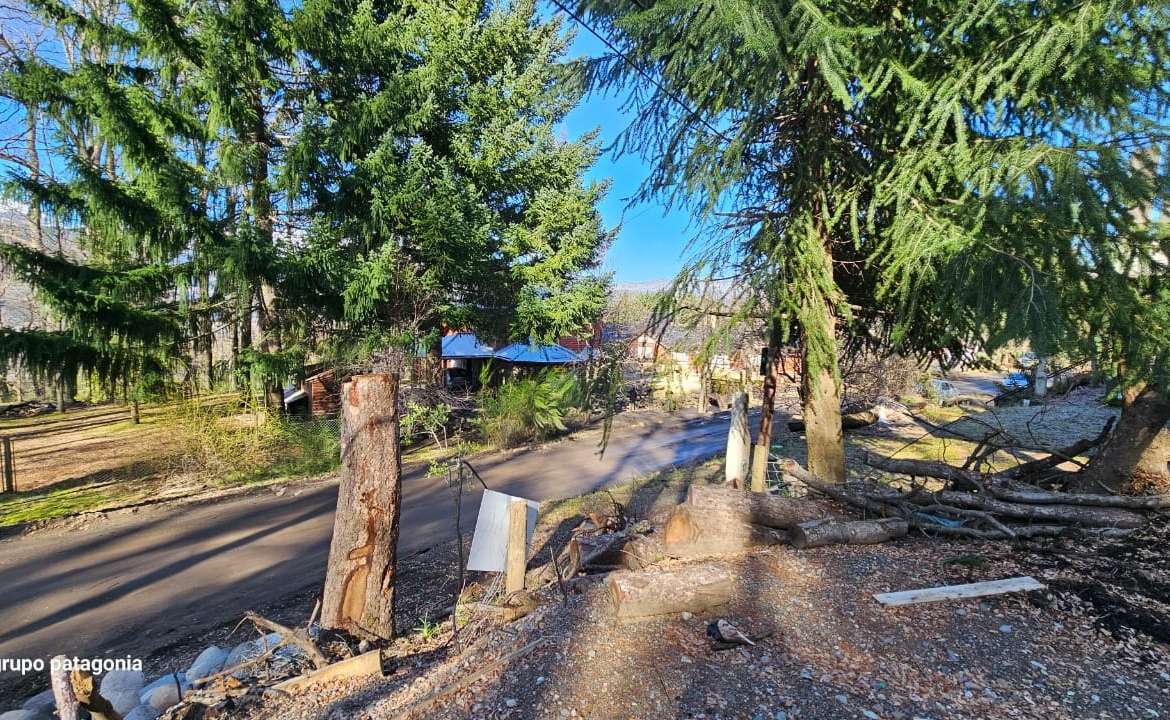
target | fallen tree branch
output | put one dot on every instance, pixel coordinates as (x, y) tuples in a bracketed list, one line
[(289, 636), (1004, 488), (1067, 454)]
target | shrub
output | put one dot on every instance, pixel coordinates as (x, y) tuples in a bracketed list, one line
[(229, 443), (529, 408)]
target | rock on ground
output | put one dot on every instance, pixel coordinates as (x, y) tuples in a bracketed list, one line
[(141, 712), (209, 662), (41, 702), (121, 688), (26, 714), (164, 692)]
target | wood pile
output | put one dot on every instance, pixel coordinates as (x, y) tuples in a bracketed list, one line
[(984, 506)]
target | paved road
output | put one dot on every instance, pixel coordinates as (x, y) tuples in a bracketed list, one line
[(133, 582), (977, 383)]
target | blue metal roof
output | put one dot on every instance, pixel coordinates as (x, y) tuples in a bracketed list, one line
[(466, 345), (553, 354)]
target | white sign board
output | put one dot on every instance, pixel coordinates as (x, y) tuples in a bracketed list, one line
[(489, 545)]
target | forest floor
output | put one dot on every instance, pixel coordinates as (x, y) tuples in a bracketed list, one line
[(832, 652)]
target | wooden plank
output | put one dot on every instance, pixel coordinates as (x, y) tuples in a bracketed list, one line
[(365, 665), (956, 592), (517, 546)]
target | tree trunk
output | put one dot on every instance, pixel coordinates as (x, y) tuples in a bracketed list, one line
[(739, 441), (1137, 455), (690, 588), (208, 329), (359, 581), (767, 411), (695, 532), (135, 412), (756, 508), (820, 385), (34, 165), (1040, 378), (860, 532), (270, 345), (60, 390)]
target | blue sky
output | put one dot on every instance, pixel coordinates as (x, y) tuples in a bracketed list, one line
[(651, 241)]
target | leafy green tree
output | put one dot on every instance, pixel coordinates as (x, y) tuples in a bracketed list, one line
[(863, 159), (430, 166)]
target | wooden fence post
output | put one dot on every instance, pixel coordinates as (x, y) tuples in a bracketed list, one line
[(9, 470), (517, 558), (359, 580)]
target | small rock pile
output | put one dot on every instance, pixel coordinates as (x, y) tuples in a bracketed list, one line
[(136, 699)]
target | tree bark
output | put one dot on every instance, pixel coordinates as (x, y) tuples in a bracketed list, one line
[(66, 700), (359, 581), (739, 440), (767, 411), (208, 329), (643, 551), (1137, 454), (1067, 514), (852, 421), (756, 508), (690, 588), (821, 389), (860, 532), (695, 532)]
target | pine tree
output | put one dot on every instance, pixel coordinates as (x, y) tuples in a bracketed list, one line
[(429, 164), (876, 157), (130, 193)]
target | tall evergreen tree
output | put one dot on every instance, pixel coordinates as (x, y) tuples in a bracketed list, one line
[(129, 192), (430, 164), (883, 146)]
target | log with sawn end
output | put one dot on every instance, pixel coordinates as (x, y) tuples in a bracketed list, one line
[(784, 513)]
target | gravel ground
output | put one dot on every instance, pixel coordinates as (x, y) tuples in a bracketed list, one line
[(834, 653)]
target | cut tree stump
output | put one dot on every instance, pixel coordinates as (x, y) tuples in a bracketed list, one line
[(692, 531), (643, 551), (859, 532), (359, 581), (757, 508), (663, 591)]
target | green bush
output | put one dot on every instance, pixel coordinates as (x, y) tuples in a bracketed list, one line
[(231, 444), (529, 408)]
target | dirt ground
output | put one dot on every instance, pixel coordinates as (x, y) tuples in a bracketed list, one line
[(85, 444), (831, 650)]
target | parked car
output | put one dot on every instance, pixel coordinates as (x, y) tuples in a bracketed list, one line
[(1015, 381)]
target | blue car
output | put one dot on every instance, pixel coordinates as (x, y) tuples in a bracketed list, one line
[(1015, 381)]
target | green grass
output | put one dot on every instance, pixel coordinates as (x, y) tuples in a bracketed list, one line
[(29, 507)]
